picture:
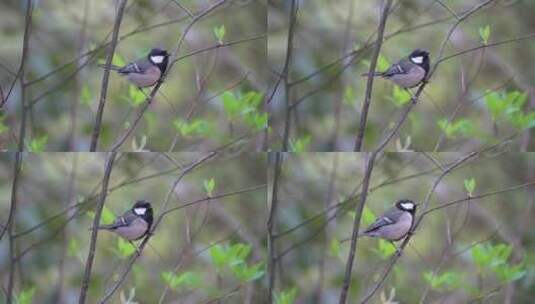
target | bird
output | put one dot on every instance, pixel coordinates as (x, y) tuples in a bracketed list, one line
[(134, 224), (147, 71), (408, 72), (395, 223)]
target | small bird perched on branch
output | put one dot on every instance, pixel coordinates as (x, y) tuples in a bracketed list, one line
[(395, 223), (145, 72), (134, 223), (408, 72)]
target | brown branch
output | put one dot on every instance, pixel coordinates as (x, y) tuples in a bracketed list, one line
[(369, 83), (10, 224), (222, 195), (106, 76), (94, 231), (22, 72), (455, 202), (286, 75), (270, 225), (356, 223)]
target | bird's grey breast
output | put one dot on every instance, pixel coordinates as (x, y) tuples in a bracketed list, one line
[(135, 230), (410, 79)]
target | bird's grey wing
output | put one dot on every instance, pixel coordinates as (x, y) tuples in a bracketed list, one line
[(396, 69), (137, 66), (121, 221), (389, 218)]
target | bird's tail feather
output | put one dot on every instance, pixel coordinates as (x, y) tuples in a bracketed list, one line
[(112, 67), (104, 227), (372, 74)]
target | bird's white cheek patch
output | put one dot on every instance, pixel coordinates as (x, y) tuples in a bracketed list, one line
[(157, 59), (407, 206), (140, 211), (417, 59)]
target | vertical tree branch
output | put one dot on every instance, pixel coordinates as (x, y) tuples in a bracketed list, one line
[(369, 83), (356, 223), (106, 77), (271, 227), (10, 225), (22, 70), (94, 232), (286, 74)]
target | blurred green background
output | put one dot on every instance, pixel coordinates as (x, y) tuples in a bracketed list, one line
[(466, 245), (188, 110), (194, 242), (330, 97)]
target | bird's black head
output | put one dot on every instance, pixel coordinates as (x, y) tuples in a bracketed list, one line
[(406, 205), (421, 58), (160, 58), (143, 209)]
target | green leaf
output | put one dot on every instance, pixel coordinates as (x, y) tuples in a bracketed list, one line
[(286, 297), (400, 96), (188, 279), (107, 217), (25, 296), (453, 129), (219, 32), (349, 96), (37, 144), (448, 280), (196, 127), (135, 96), (126, 249), (209, 186), (246, 273), (368, 217), (385, 248), (484, 33), (3, 127), (382, 63), (72, 248), (118, 60), (261, 120), (85, 95), (508, 273), (231, 104), (470, 185), (301, 144), (334, 248), (219, 256), (496, 104)]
